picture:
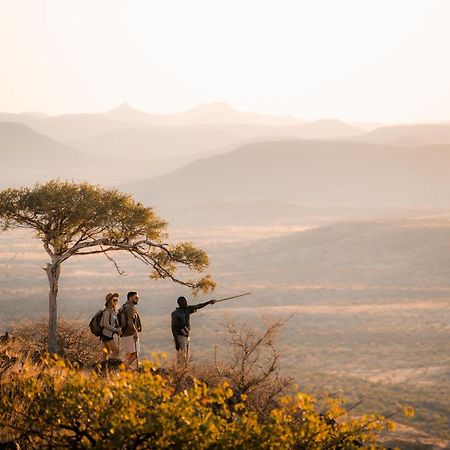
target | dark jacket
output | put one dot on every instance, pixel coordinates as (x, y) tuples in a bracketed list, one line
[(181, 320)]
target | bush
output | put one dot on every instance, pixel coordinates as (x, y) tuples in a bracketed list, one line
[(57, 406), (241, 402), (76, 344), (250, 365)]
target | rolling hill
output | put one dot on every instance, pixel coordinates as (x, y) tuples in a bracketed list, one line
[(163, 141), (28, 156), (311, 173), (409, 135), (201, 140), (20, 144), (383, 254)]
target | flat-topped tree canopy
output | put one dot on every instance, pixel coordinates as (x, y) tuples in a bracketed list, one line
[(74, 219)]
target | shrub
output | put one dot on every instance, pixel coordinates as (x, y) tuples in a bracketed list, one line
[(61, 407), (76, 343), (241, 402)]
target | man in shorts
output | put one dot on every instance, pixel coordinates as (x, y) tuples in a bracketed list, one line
[(130, 333), (181, 326)]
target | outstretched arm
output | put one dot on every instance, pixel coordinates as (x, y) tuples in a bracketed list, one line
[(193, 308)]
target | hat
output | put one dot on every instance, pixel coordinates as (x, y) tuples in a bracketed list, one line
[(109, 296)]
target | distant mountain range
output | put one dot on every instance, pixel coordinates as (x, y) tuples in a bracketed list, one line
[(311, 173), (28, 156), (127, 144), (162, 141), (409, 135), (81, 126), (214, 153), (199, 140), (215, 113)]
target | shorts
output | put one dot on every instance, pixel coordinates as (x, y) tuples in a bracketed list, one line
[(129, 345), (183, 342), (104, 338)]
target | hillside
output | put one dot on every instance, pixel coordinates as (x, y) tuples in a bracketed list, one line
[(368, 301), (383, 254), (408, 135), (200, 140), (28, 156), (19, 143), (160, 141), (326, 129), (224, 216), (311, 173), (365, 260)]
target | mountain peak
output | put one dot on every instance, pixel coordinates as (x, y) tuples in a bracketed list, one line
[(124, 107), (127, 113)]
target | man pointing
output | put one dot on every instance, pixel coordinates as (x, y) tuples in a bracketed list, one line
[(181, 326)]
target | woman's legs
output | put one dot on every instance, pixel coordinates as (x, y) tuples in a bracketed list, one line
[(110, 350), (114, 350)]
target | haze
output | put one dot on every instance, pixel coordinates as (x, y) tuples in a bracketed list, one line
[(305, 146), (355, 60)]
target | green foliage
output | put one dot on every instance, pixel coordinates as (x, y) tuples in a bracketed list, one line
[(62, 212), (81, 219), (60, 407)]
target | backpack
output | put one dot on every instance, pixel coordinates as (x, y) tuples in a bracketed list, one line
[(95, 323), (121, 317)]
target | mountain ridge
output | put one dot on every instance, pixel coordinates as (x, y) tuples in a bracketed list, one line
[(310, 172)]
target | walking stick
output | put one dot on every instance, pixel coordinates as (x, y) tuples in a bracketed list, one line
[(234, 296), (118, 346), (137, 354)]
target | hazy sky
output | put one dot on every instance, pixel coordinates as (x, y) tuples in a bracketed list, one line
[(371, 60)]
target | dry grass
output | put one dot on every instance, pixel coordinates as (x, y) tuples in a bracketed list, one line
[(75, 341)]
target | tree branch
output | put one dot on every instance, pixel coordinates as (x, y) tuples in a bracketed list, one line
[(119, 271), (48, 249)]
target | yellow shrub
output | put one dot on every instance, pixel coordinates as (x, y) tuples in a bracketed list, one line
[(60, 406)]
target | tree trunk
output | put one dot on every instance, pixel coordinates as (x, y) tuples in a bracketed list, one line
[(53, 270)]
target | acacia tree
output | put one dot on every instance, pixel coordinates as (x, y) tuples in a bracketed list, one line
[(79, 219)]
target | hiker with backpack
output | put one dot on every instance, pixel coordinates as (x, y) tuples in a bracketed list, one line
[(130, 324), (110, 327), (181, 326), (104, 325)]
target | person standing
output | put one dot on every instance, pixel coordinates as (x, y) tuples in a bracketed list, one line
[(110, 327), (131, 329), (181, 326)]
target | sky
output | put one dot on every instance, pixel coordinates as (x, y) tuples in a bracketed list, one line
[(356, 60)]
